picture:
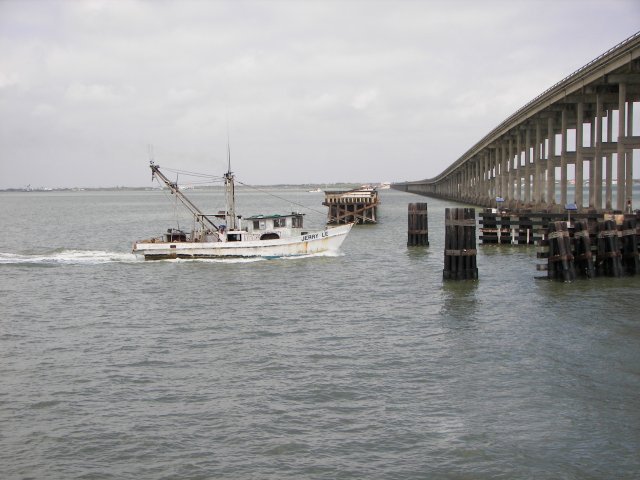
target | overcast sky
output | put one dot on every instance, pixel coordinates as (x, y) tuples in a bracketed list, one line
[(312, 91)]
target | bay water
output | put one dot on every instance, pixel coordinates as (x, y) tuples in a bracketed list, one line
[(363, 364)]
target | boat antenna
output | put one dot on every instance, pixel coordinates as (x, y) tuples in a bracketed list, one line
[(228, 146), (230, 188)]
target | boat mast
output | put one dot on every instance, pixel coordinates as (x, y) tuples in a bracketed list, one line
[(173, 186), (230, 191)]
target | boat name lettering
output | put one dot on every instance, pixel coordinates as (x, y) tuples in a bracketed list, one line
[(313, 236)]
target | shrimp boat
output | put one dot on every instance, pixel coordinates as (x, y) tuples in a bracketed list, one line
[(269, 236)]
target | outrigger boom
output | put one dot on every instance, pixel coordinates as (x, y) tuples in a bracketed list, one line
[(173, 186)]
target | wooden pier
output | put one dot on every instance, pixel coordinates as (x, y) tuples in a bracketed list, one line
[(359, 205)]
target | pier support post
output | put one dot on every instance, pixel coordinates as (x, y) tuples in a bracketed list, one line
[(460, 244), (582, 250), (418, 225), (629, 240), (608, 257), (560, 260)]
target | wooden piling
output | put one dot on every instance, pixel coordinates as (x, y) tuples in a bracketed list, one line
[(560, 260), (608, 260), (489, 231), (460, 245), (418, 225), (629, 247), (582, 250)]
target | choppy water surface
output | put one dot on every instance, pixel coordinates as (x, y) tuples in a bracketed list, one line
[(361, 365)]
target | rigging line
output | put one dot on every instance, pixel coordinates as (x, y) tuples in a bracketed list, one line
[(166, 193), (193, 174), (281, 198), (202, 183), (175, 206)]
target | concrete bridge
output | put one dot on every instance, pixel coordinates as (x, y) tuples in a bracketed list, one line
[(581, 126)]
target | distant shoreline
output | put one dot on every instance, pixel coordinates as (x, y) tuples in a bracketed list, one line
[(307, 186), (323, 186)]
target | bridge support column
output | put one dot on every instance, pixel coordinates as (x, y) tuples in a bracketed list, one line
[(563, 158), (527, 160), (629, 154), (608, 167), (621, 190), (471, 181), (596, 141), (484, 178), (509, 192), (504, 177), (518, 171), (537, 183), (551, 167), (542, 179), (579, 165), (498, 173)]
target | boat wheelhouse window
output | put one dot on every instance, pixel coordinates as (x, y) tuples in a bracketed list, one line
[(175, 235), (297, 221), (259, 225), (279, 222)]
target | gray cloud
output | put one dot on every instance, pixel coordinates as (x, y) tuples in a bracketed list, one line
[(318, 91)]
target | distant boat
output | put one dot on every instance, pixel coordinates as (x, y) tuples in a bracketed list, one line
[(315, 190), (384, 186), (268, 236)]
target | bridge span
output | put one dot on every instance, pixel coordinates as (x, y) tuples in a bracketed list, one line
[(582, 125)]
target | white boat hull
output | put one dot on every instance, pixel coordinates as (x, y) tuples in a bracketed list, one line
[(328, 240)]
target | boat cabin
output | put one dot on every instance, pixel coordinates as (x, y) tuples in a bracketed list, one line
[(175, 235), (272, 226)]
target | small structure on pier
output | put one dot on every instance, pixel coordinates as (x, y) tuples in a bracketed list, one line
[(359, 205)]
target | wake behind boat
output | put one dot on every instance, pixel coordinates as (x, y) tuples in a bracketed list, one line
[(268, 236)]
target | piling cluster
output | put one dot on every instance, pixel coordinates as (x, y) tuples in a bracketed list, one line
[(596, 244), (460, 244), (418, 233), (588, 249)]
